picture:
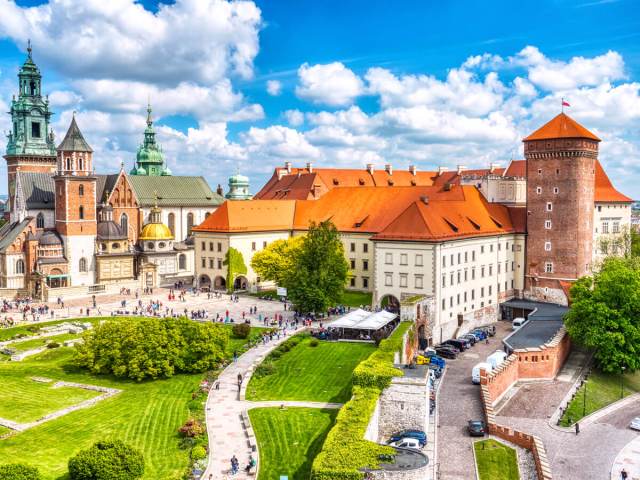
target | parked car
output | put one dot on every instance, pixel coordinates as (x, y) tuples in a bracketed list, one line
[(477, 428), (432, 405), (407, 443), (635, 423), (415, 434), (471, 337), (490, 330), (475, 371), (518, 323), (481, 333), (459, 344), (447, 353), (436, 369), (496, 358)]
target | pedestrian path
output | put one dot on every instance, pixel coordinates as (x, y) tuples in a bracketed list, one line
[(224, 410), (629, 460)]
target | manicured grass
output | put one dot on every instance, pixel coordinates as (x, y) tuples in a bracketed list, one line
[(25, 400), (321, 373), (496, 461), (289, 440), (146, 415), (356, 299), (4, 430), (41, 342), (602, 389)]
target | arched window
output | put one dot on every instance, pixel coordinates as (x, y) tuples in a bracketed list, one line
[(124, 223), (20, 266), (189, 223), (83, 265), (40, 220), (69, 163), (81, 212), (182, 262), (80, 163), (172, 224), (81, 190)]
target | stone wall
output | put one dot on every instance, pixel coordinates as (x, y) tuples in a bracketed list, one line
[(403, 405), (502, 379), (414, 474)]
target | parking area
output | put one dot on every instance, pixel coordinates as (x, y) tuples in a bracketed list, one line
[(458, 402)]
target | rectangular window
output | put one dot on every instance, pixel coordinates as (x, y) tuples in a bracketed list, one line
[(388, 280), (204, 263), (444, 261), (547, 224), (459, 258), (498, 268), (538, 190), (253, 246), (352, 247), (616, 227), (403, 280), (219, 246), (549, 206), (465, 274), (482, 271), (491, 248), (365, 265), (466, 257), (211, 246), (353, 264), (482, 291), (264, 244), (365, 282), (473, 294), (473, 255), (388, 258), (465, 297), (365, 247), (605, 227), (444, 280), (473, 273), (204, 245), (35, 130), (352, 281), (451, 301), (451, 279), (482, 249), (490, 289), (219, 264), (548, 267), (418, 260), (451, 260), (555, 190), (458, 299), (499, 247), (490, 270), (444, 304), (211, 263), (458, 277), (547, 246), (418, 281), (403, 259)]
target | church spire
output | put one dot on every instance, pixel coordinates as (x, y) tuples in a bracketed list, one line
[(150, 159)]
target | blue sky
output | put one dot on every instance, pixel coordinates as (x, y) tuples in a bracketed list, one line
[(248, 86)]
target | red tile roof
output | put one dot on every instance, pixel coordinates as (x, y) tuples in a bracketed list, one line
[(561, 126), (604, 189), (517, 168), (235, 216)]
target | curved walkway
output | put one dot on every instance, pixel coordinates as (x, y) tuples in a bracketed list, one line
[(224, 409), (629, 460)]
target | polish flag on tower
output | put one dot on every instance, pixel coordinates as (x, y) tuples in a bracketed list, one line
[(565, 103)]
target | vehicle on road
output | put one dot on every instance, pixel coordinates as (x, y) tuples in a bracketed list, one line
[(436, 369), (477, 428), (407, 443), (469, 336), (418, 435), (459, 344), (635, 423), (475, 371), (517, 323), (447, 353), (496, 358), (480, 333)]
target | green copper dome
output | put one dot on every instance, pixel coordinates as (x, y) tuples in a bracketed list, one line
[(238, 187), (149, 158)]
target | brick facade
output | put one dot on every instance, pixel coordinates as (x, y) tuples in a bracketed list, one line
[(69, 201), (560, 199)]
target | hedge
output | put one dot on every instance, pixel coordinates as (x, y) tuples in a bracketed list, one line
[(19, 471), (345, 451)]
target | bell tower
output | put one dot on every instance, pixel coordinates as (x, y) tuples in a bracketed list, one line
[(30, 143), (75, 204), (561, 158)]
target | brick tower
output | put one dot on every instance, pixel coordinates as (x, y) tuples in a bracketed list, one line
[(75, 183), (561, 158), (30, 146)]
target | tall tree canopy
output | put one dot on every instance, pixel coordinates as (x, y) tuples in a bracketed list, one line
[(278, 260), (605, 314), (320, 271)]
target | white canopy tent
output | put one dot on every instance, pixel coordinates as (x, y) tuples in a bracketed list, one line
[(350, 319), (363, 320)]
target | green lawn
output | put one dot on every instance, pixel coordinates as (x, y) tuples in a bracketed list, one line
[(496, 461), (289, 439), (321, 373), (601, 389), (41, 342), (356, 299), (145, 415), (9, 333), (24, 400)]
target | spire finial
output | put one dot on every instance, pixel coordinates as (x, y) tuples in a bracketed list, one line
[(155, 199), (29, 48), (149, 121)]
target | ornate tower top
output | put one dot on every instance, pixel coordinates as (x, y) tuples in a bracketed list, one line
[(150, 159), (238, 187)]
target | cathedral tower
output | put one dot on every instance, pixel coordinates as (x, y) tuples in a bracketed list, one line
[(561, 158), (150, 159), (30, 143), (75, 187)]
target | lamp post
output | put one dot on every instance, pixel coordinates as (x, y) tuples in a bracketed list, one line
[(584, 399), (622, 384)]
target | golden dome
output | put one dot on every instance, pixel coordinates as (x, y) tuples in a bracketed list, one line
[(156, 231)]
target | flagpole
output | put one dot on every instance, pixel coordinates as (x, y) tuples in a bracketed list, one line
[(562, 105)]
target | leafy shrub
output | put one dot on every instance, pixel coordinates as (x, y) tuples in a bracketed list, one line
[(314, 342), (241, 330), (198, 453), (53, 345), (33, 328), (113, 460), (19, 471), (192, 428), (152, 347), (265, 369)]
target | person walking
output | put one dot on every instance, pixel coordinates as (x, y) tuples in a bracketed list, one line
[(577, 428), (623, 474)]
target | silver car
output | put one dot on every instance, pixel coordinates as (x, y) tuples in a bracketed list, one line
[(635, 423)]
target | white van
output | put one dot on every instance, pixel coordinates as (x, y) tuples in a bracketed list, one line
[(517, 323), (475, 372), (496, 358)]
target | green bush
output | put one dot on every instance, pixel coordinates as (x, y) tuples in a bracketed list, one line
[(241, 330), (112, 460), (53, 345), (19, 471), (265, 369), (198, 453), (152, 347), (192, 428), (314, 342)]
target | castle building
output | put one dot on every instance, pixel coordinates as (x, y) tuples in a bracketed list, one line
[(468, 239), (60, 241)]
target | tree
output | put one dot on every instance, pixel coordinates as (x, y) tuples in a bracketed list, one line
[(319, 274), (235, 266), (277, 261), (107, 460), (19, 471), (605, 314)]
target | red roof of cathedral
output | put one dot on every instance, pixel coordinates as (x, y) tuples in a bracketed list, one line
[(561, 126)]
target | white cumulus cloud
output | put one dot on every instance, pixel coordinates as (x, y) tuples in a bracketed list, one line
[(274, 87), (330, 84)]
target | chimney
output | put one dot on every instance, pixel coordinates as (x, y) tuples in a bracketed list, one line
[(441, 170), (287, 166), (412, 169), (370, 167), (388, 168), (219, 190), (310, 167), (461, 168), (281, 172), (424, 199), (493, 166)]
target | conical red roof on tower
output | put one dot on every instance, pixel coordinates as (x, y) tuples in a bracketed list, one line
[(561, 126)]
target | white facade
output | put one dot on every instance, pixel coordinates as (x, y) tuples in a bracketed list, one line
[(77, 248), (611, 222), (9, 268)]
